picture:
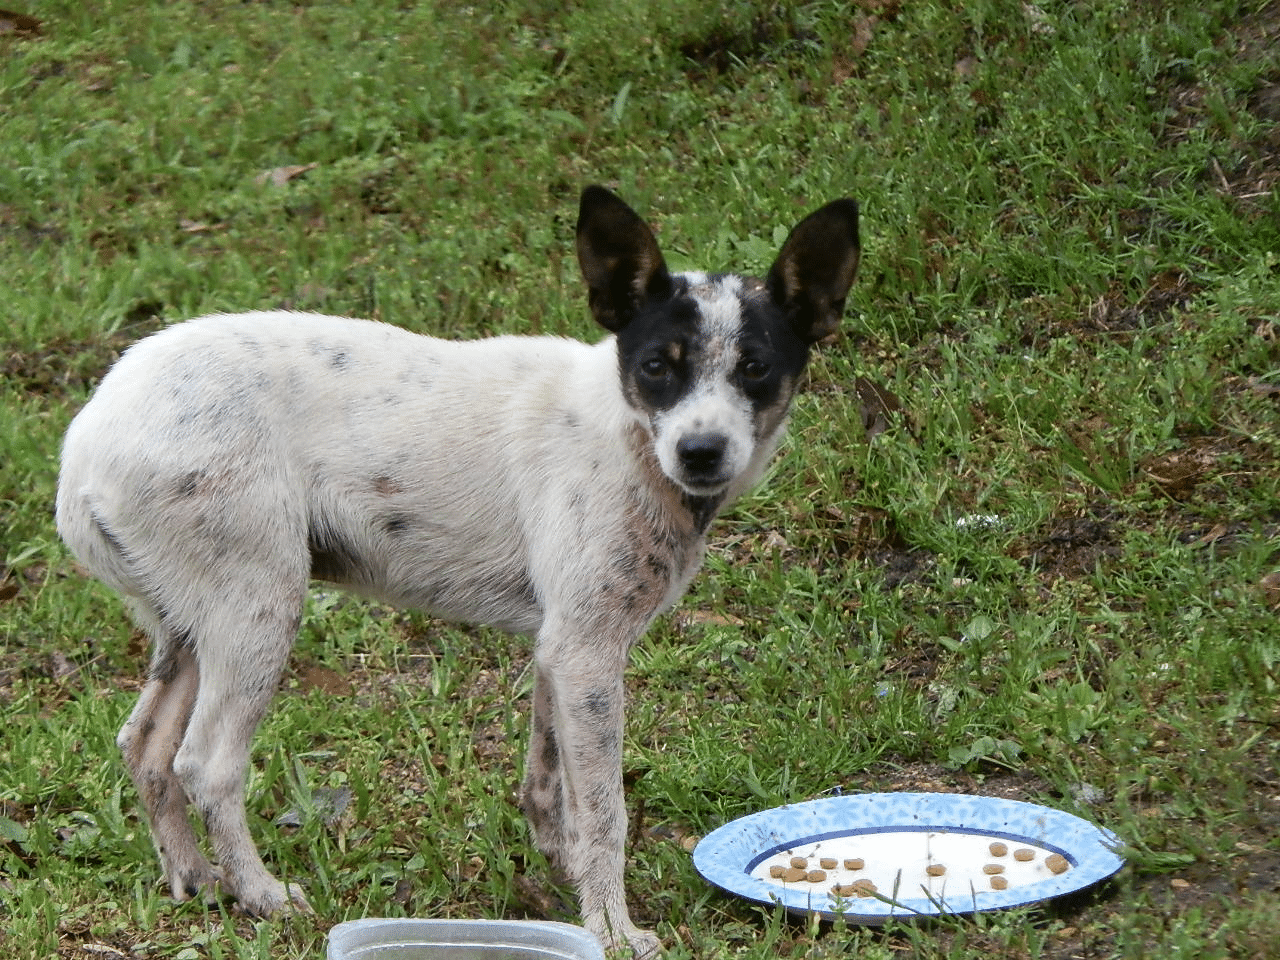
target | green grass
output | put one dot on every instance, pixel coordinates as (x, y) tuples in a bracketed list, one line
[(1070, 285)]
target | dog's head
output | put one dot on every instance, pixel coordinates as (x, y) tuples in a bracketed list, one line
[(711, 360)]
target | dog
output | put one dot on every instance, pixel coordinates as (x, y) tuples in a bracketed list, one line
[(540, 485)]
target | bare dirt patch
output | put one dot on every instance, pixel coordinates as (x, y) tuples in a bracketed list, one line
[(65, 366)]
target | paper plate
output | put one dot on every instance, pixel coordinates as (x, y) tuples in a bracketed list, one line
[(922, 854)]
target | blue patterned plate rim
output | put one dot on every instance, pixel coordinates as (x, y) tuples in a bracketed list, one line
[(726, 856)]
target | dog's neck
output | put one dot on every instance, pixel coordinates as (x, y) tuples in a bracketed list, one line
[(703, 509)]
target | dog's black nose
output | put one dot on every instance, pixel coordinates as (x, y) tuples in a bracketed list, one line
[(701, 453)]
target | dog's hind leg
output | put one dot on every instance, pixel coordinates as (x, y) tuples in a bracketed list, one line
[(542, 793), (241, 648), (149, 740)]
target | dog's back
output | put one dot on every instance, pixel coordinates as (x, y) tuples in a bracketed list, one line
[(447, 476)]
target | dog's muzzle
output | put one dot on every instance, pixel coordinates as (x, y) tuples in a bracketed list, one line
[(703, 467)]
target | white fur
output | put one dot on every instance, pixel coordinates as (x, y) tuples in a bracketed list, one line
[(512, 460), (518, 482)]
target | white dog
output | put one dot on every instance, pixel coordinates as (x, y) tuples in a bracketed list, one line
[(535, 484)]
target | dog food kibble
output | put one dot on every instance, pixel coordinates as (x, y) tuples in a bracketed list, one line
[(859, 888), (817, 869)]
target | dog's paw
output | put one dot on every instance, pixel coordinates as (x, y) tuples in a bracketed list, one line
[(298, 902), (271, 898), (644, 944), (197, 880), (629, 942)]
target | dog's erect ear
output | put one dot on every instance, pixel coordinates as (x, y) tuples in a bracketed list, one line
[(815, 269), (620, 259)]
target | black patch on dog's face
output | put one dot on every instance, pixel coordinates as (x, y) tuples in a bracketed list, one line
[(712, 367), (770, 355), (656, 351), (664, 350)]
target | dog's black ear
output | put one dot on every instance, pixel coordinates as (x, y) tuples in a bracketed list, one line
[(815, 269), (620, 259)]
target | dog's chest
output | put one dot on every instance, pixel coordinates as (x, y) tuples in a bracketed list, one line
[(647, 546)]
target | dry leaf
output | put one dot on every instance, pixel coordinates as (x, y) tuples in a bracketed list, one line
[(708, 617), (1038, 20), (1270, 587), (195, 226), (101, 950), (403, 892), (537, 899), (863, 30), (60, 665), (1217, 533), (282, 175), (877, 405), (19, 24), (775, 541)]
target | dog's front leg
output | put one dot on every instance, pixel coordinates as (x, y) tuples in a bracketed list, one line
[(573, 781)]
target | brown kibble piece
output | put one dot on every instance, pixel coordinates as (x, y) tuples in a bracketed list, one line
[(800, 863), (993, 868), (793, 875), (777, 870), (854, 863), (1024, 854), (816, 876), (1057, 863), (827, 863), (865, 888), (845, 889), (999, 883), (935, 869), (998, 849)]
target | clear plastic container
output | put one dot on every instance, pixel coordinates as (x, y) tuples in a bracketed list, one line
[(410, 939)]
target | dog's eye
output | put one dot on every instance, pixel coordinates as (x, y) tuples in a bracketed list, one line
[(655, 368), (754, 369)]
